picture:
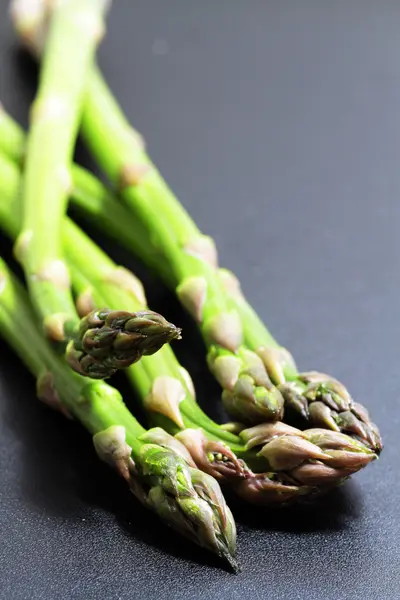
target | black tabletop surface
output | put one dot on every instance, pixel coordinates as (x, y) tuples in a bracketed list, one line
[(278, 125)]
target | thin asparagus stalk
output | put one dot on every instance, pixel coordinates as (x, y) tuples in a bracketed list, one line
[(304, 393), (318, 397), (166, 390), (92, 346), (156, 467), (12, 137), (74, 30)]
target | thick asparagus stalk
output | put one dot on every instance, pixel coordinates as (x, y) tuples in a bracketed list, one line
[(72, 36), (94, 347), (303, 394), (157, 468), (321, 397), (109, 340), (117, 285)]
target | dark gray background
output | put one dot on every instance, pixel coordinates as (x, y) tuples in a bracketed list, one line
[(278, 125)]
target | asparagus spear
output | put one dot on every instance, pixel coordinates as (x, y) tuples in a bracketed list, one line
[(72, 35), (93, 346), (157, 468), (317, 398)]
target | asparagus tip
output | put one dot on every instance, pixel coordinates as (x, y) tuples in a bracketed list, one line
[(233, 563)]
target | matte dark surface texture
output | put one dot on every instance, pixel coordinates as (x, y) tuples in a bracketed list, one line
[(278, 125)]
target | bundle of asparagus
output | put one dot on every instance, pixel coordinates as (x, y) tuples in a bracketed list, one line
[(285, 467), (171, 468), (258, 376)]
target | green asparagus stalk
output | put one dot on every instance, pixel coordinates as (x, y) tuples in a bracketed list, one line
[(157, 468), (117, 285), (302, 395), (167, 391), (101, 344), (192, 258), (74, 29)]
